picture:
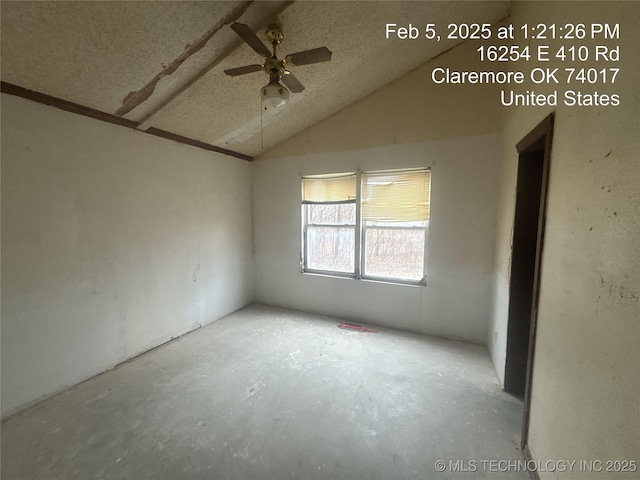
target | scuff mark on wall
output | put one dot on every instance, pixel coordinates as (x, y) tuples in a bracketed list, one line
[(196, 272), (619, 288), (135, 98), (623, 291)]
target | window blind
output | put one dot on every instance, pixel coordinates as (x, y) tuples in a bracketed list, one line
[(329, 189), (396, 196)]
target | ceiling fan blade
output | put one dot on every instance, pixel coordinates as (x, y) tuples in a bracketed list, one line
[(245, 32), (292, 82), (315, 55), (234, 72)]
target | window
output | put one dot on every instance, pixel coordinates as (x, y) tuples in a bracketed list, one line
[(395, 212), (329, 209), (370, 225)]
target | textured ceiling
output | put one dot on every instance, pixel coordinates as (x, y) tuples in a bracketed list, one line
[(97, 53)]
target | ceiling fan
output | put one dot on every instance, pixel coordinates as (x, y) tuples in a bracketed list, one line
[(274, 94)]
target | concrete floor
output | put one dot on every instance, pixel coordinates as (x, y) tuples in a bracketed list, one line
[(269, 393)]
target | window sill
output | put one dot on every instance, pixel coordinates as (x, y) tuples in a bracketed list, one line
[(346, 276)]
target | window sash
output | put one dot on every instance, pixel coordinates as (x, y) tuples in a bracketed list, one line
[(407, 281), (307, 213), (308, 269)]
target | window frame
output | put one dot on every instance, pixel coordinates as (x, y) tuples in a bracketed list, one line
[(360, 233)]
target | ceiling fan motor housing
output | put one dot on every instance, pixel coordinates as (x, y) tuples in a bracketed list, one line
[(274, 33)]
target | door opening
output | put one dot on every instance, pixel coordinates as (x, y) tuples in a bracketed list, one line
[(528, 235)]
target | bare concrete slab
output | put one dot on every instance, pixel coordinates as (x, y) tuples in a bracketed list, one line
[(269, 393)]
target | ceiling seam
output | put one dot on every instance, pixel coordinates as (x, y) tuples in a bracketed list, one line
[(135, 98)]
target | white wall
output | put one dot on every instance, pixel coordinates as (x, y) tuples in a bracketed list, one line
[(113, 242), (409, 123), (585, 376)]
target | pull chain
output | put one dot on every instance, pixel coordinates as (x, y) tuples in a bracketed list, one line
[(261, 127)]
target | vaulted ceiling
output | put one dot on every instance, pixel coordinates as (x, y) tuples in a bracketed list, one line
[(161, 64)]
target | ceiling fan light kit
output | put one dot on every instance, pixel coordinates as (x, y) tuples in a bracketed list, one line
[(274, 94)]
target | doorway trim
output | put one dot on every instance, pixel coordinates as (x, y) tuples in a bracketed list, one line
[(542, 134)]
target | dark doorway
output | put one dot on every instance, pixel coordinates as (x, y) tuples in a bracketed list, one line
[(528, 234)]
